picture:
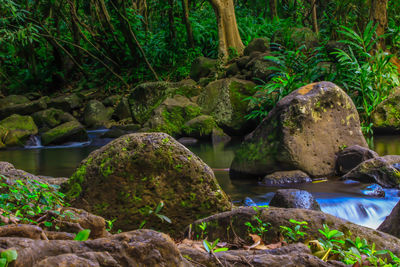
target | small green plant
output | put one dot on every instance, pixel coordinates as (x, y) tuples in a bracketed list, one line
[(294, 234), (156, 212), (82, 235), (330, 240), (7, 256), (110, 224), (212, 247), (203, 228), (260, 227)]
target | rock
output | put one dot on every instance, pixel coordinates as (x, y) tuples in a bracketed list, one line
[(294, 199), (170, 117), (290, 137), (230, 226), (242, 61), (386, 117), (114, 133), (304, 36), (257, 44), (378, 170), (202, 67), (136, 248), (218, 136), (66, 103), (16, 130), (200, 127), (23, 109), (350, 157), (130, 176), (112, 100), (391, 224), (187, 141), (122, 111), (260, 68), (12, 100), (286, 177), (71, 131), (188, 88), (232, 70), (51, 118), (374, 190), (95, 114), (223, 100)]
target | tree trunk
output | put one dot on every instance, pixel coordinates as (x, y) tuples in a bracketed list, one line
[(314, 16), (228, 32), (172, 30), (378, 14), (189, 30), (273, 9)]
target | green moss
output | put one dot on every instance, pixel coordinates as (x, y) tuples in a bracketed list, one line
[(76, 180)]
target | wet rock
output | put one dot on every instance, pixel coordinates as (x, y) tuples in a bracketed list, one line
[(202, 67), (96, 114), (114, 133), (295, 199), (71, 131), (350, 157), (391, 224), (122, 111), (374, 190), (218, 136), (133, 174), (66, 103), (290, 137), (229, 226), (286, 177), (378, 170), (248, 202), (187, 141), (223, 100), (16, 130), (51, 118), (23, 109), (386, 117), (200, 127), (136, 248), (257, 44), (12, 100)]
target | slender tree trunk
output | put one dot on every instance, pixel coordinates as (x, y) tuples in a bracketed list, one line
[(228, 32), (378, 14), (189, 30), (172, 30), (273, 8), (314, 16)]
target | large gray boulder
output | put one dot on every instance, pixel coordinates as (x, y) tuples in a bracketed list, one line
[(96, 114), (351, 157), (303, 132), (294, 199), (202, 67), (66, 103)]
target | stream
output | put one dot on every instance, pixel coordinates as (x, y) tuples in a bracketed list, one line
[(342, 199)]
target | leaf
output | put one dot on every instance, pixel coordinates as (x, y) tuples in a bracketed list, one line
[(207, 246), (3, 262), (9, 254), (221, 249), (82, 235)]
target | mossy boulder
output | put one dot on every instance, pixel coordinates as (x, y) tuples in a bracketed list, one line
[(294, 199), (16, 129), (350, 157), (303, 132), (129, 177), (66, 103), (112, 101), (12, 100), (381, 170), (286, 177), (202, 67), (223, 100), (96, 114), (170, 117), (386, 117), (260, 67), (257, 45), (71, 131), (26, 108), (122, 110), (200, 127), (51, 118), (304, 36)]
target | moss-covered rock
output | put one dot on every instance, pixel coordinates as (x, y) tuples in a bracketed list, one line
[(303, 132), (257, 45), (386, 117), (202, 67), (200, 127), (129, 177), (223, 100), (66, 103), (12, 100), (304, 36), (51, 118), (16, 129), (111, 101), (96, 114), (71, 131), (26, 108), (122, 110)]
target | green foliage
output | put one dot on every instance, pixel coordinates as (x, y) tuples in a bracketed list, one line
[(294, 233), (7, 256), (148, 211), (329, 240), (259, 228), (212, 247), (82, 235)]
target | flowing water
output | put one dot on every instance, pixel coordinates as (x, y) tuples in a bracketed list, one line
[(342, 199)]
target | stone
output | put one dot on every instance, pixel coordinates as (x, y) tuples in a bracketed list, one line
[(286, 177), (242, 62), (12, 100), (230, 226), (16, 130), (200, 127), (112, 100), (95, 114), (391, 224), (122, 111), (223, 100), (218, 136), (260, 67), (304, 36), (71, 131), (66, 103), (114, 133), (51, 118), (136, 248), (373, 190), (351, 157), (23, 109), (202, 67), (380, 170), (232, 70), (386, 117), (290, 137), (187, 141), (257, 44), (133, 174), (294, 199), (188, 88)]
